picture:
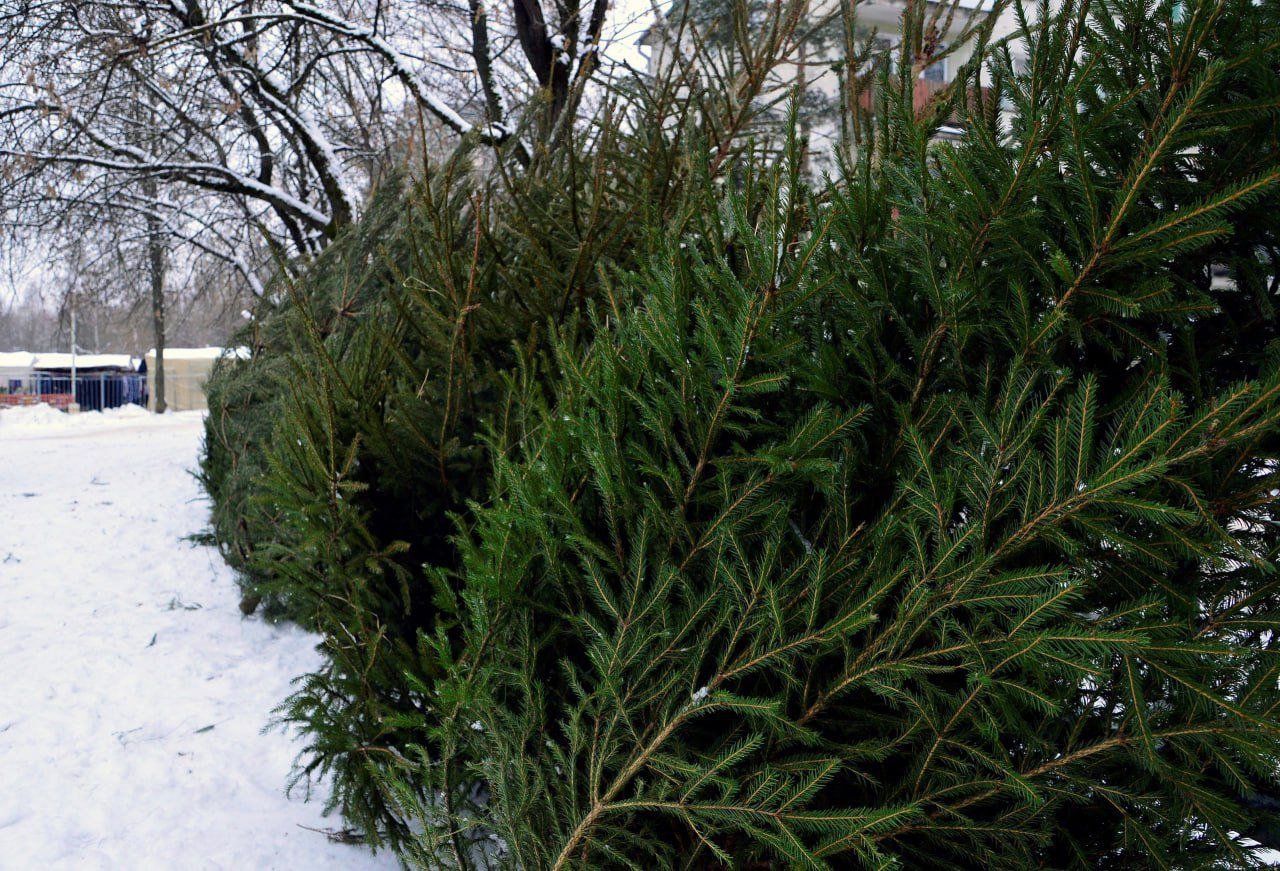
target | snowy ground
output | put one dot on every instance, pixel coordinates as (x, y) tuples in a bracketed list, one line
[(132, 693)]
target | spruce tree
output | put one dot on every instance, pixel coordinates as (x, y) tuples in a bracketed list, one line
[(337, 454), (923, 519)]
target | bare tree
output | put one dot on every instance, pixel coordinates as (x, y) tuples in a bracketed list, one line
[(208, 126), (279, 107), (247, 133), (103, 259), (155, 276)]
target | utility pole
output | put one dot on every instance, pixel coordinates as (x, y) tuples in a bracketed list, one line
[(74, 407)]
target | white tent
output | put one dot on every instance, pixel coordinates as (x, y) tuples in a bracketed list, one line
[(185, 372), (15, 366)]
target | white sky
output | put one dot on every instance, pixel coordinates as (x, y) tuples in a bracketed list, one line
[(628, 19), (19, 278)]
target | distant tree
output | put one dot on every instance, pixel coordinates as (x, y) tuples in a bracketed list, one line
[(282, 109)]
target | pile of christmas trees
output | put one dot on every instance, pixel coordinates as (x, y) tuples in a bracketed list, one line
[(922, 516)]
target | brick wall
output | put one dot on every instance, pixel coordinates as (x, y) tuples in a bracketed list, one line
[(57, 400)]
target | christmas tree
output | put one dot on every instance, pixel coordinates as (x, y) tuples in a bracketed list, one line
[(336, 455), (924, 518)]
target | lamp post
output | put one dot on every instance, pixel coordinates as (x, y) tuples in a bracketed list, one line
[(73, 407)]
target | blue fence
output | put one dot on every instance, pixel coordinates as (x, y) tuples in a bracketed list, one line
[(94, 391)]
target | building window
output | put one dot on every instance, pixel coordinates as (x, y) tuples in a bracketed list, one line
[(936, 72), (888, 48)]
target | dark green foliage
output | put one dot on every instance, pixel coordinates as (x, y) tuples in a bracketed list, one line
[(926, 519), (245, 396), (336, 455), (922, 518)]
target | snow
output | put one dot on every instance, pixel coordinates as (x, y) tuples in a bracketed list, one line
[(201, 353), (58, 360), (42, 419), (134, 693), (17, 360), (216, 173)]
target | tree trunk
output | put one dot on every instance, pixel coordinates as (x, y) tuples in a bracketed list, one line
[(155, 256)]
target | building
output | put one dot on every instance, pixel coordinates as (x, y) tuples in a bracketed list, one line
[(102, 381), (824, 78), (16, 369)]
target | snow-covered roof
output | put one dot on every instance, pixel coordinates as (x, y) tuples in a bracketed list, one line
[(17, 360), (201, 353), (83, 361)]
